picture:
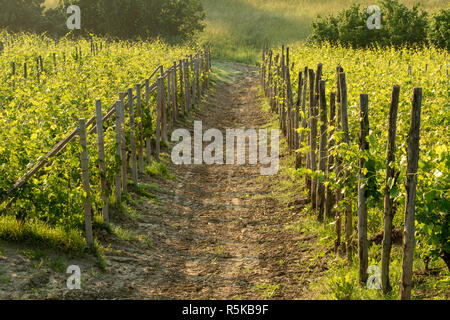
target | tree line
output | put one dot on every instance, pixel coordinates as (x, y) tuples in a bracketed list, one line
[(400, 26), (172, 20)]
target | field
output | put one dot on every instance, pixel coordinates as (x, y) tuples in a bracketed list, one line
[(41, 108), (239, 28)]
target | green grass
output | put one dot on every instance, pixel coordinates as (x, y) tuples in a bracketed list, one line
[(237, 29), (38, 233)]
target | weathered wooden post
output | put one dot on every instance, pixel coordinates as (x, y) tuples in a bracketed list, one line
[(304, 135), (134, 173), (338, 160), (124, 170), (118, 183), (182, 92), (329, 195), (187, 86), (160, 94), (175, 91), (169, 107), (410, 199), (85, 179), (344, 123), (194, 81), (390, 181), (322, 151), (140, 128), (312, 139), (101, 160), (148, 140), (362, 189), (163, 109), (298, 156)]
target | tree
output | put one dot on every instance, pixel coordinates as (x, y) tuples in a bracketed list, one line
[(22, 15), (130, 19)]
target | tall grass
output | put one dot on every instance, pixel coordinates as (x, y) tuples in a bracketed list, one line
[(237, 29)]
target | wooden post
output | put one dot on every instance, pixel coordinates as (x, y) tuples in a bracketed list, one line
[(85, 178), (194, 82), (134, 172), (117, 192), (140, 128), (169, 99), (148, 141), (101, 160), (339, 195), (317, 87), (163, 108), (298, 156), (344, 122), (124, 170), (389, 210), (362, 189), (322, 151), (304, 117), (160, 94), (410, 203), (187, 102), (329, 195), (200, 78), (25, 72), (174, 93), (312, 138), (182, 99)]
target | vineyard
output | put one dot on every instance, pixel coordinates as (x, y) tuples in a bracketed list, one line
[(48, 86), (136, 163), (341, 135)]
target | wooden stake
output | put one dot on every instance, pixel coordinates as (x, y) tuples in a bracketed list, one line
[(410, 203), (101, 160), (160, 94), (124, 170), (312, 139), (344, 123), (140, 128), (329, 195), (148, 141), (118, 181), (85, 179), (134, 171), (362, 189), (322, 151), (298, 156), (389, 183)]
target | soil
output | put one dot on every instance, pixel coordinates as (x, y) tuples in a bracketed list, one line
[(215, 231)]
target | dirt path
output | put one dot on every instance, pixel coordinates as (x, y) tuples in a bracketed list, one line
[(214, 232)]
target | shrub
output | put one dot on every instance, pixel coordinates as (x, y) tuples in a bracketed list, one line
[(439, 29), (399, 26)]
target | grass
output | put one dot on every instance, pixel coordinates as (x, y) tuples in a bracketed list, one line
[(158, 169), (38, 233), (237, 29)]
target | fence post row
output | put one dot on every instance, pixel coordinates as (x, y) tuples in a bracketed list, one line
[(188, 89), (276, 84)]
